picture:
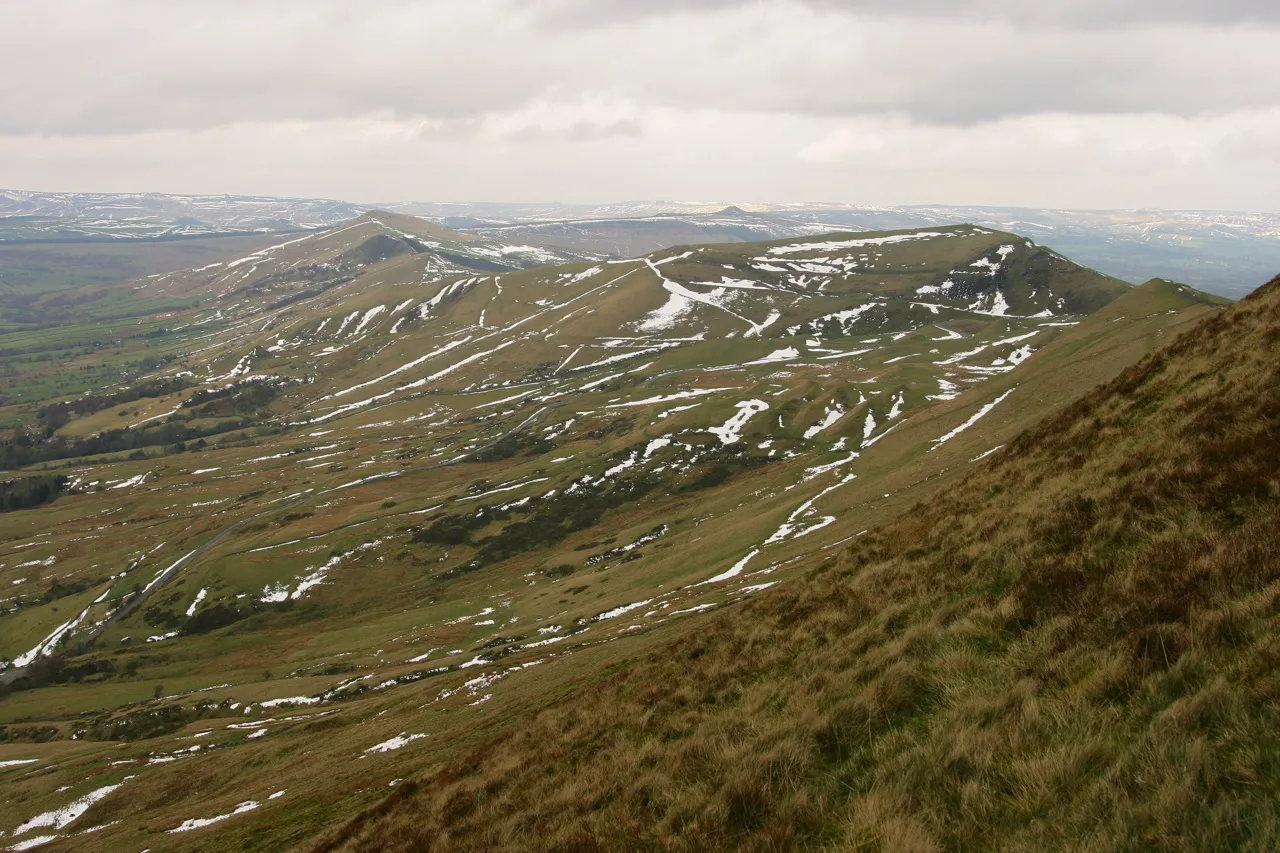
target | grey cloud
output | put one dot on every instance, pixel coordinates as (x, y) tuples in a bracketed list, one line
[(952, 73), (1090, 13), (1064, 161), (589, 13), (95, 67), (1087, 13), (580, 131), (153, 65)]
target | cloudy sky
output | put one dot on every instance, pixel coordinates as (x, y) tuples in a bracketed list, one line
[(1072, 103)]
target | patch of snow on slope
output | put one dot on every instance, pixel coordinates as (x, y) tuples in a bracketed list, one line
[(274, 593), (666, 317), (197, 823), (817, 470), (788, 528), (986, 453), (401, 369), (938, 442), (316, 577), (291, 700), (58, 818), (715, 299), (618, 611), (898, 403), (796, 248), (398, 742), (48, 644), (625, 356), (655, 445), (629, 462), (679, 257), (18, 762), (832, 414), (778, 355), (734, 283), (585, 274), (346, 321), (992, 303), (464, 362), (132, 481), (757, 328), (1016, 357), (199, 598), (728, 432), (733, 571), (369, 316), (667, 398)]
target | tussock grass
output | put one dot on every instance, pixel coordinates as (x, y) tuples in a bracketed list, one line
[(1075, 647)]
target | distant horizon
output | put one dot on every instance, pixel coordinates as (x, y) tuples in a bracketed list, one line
[(723, 202)]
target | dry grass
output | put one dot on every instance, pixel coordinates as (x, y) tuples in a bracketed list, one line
[(1074, 648)]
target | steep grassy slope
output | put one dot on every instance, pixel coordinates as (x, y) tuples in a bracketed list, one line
[(1072, 648)]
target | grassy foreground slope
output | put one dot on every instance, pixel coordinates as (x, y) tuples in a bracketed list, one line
[(1072, 648)]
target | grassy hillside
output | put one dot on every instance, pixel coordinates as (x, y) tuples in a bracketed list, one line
[(361, 510), (305, 367), (1072, 648)]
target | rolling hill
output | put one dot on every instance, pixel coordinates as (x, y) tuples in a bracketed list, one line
[(361, 501), (43, 279)]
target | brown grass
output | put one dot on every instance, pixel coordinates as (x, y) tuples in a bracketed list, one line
[(1073, 648)]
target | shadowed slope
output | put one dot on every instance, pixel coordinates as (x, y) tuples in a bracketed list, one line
[(1073, 648)]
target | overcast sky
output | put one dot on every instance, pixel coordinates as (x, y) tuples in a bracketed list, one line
[(1070, 103)]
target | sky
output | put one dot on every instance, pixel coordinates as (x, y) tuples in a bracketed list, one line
[(1043, 103)]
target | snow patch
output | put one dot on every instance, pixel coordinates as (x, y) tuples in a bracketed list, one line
[(398, 742), (938, 442), (729, 432), (197, 823)]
